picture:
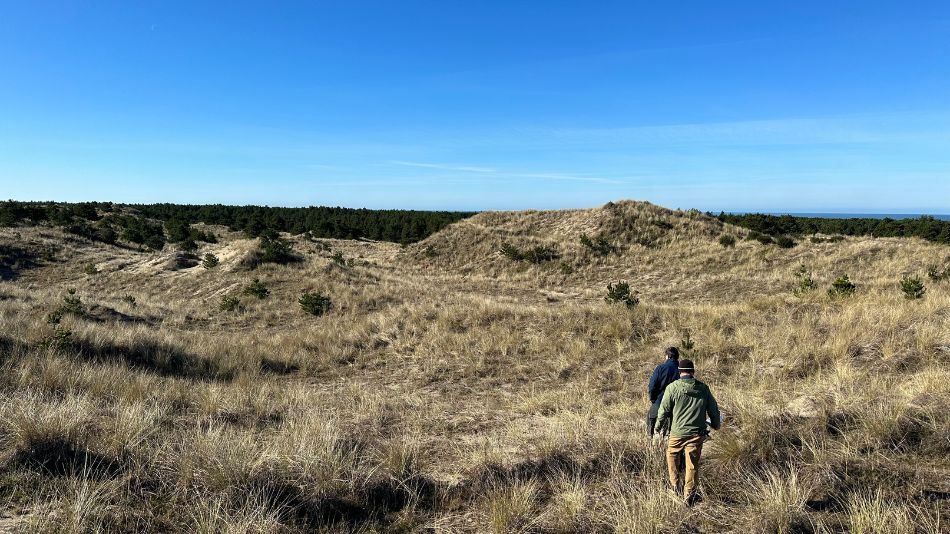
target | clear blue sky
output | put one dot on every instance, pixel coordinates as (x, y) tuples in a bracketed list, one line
[(762, 106)]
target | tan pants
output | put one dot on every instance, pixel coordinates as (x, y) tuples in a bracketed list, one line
[(691, 447)]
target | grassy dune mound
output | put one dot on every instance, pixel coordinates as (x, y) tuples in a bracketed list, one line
[(457, 390), (627, 226)]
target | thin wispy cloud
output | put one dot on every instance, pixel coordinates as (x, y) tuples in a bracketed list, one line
[(442, 166), (499, 173), (568, 177)]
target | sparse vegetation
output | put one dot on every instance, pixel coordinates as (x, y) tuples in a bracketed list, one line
[(805, 281), (275, 249), (761, 238), (841, 287), (511, 252), (257, 289), (936, 274), (541, 254), (210, 261), (599, 245), (783, 241), (188, 246), (620, 293), (229, 303), (912, 287), (536, 254), (315, 303), (687, 343), (830, 239)]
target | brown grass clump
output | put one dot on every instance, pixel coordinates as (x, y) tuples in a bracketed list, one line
[(448, 388)]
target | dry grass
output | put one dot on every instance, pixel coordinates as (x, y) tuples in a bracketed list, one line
[(462, 392)]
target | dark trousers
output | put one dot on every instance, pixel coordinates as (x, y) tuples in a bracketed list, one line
[(651, 420)]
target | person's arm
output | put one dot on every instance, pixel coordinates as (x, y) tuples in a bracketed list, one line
[(653, 386), (712, 408), (666, 408)]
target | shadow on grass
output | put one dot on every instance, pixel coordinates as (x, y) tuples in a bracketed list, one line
[(61, 457), (277, 367), (152, 357), (102, 314), (368, 506), (10, 346), (13, 260)]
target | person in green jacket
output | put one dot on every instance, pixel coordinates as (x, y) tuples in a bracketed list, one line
[(687, 401)]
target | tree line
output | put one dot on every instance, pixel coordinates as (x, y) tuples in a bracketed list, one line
[(926, 227), (154, 224)]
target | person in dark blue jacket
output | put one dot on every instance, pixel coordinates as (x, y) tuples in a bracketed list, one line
[(664, 374)]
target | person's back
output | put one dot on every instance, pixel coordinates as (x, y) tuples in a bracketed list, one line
[(690, 402), (686, 403), (663, 375)]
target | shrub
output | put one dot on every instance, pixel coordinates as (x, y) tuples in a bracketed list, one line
[(431, 252), (913, 288), (805, 281), (72, 304), (210, 261), (188, 246), (761, 238), (154, 242), (541, 254), (599, 245), (727, 241), (229, 303), (59, 338), (538, 254), (511, 252), (55, 316), (620, 293), (315, 303), (129, 299), (687, 342), (936, 274), (105, 233), (276, 249), (90, 269), (832, 239), (565, 268), (257, 289), (841, 287), (338, 259), (785, 242)]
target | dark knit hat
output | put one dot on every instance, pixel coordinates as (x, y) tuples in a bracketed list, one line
[(686, 365)]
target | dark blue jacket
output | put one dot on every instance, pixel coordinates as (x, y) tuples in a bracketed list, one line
[(665, 374)]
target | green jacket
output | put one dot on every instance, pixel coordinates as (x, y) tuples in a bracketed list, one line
[(688, 401)]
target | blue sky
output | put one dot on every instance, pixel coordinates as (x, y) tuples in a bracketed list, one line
[(736, 106)]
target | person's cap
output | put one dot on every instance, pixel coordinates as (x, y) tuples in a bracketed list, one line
[(686, 365)]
